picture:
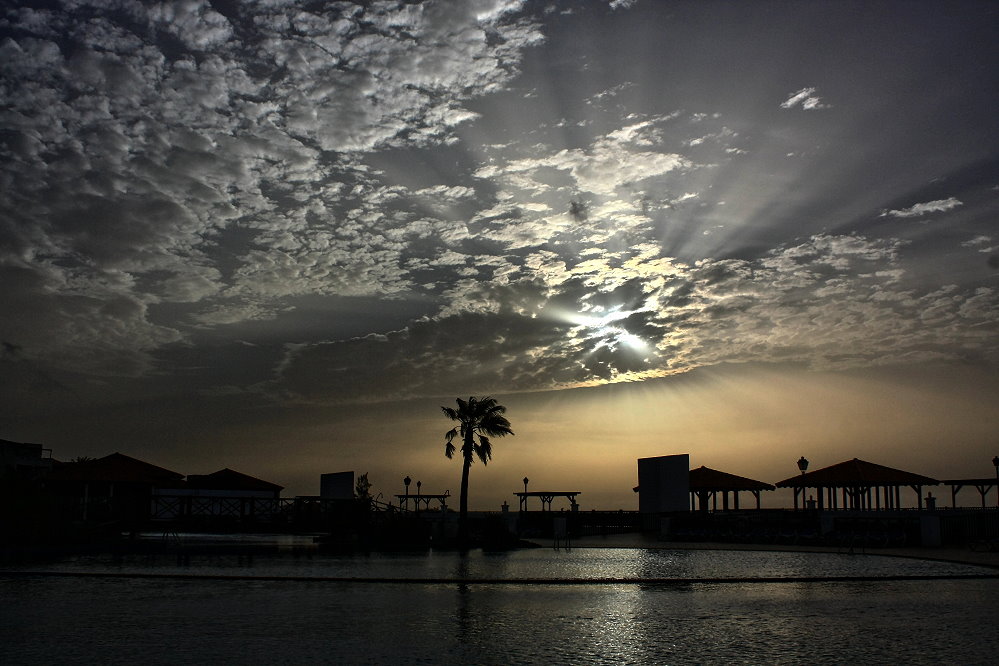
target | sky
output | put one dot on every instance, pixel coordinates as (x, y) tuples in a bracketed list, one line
[(278, 236)]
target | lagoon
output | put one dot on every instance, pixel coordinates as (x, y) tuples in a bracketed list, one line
[(623, 606)]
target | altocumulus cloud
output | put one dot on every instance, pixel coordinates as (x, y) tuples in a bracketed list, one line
[(183, 172), (831, 302), (174, 154)]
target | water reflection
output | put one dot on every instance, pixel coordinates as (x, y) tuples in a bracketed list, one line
[(160, 621), (527, 565)]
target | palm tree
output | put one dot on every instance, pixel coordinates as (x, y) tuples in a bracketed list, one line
[(478, 419)]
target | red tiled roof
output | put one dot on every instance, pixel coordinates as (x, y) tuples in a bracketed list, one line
[(115, 468), (705, 478), (854, 473), (228, 479)]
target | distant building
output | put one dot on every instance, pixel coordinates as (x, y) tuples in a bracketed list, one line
[(23, 460), (663, 484), (337, 485), (225, 494), (115, 487), (230, 483)]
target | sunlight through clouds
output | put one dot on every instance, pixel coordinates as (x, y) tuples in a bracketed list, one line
[(317, 204)]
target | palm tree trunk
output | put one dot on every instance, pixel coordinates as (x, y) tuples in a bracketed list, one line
[(463, 502)]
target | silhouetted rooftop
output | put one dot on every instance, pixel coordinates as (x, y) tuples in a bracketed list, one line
[(855, 473), (229, 479), (115, 468), (705, 478)]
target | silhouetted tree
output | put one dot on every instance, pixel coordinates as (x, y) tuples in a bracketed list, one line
[(478, 420), (362, 487)]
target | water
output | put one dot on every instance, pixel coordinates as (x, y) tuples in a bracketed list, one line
[(164, 620)]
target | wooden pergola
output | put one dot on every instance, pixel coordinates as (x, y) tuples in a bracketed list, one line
[(547, 496), (420, 499), (983, 486), (858, 485), (706, 484)]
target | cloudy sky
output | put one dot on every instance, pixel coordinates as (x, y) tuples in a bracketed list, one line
[(277, 236)]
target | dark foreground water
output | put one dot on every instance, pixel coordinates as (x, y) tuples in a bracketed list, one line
[(119, 620)]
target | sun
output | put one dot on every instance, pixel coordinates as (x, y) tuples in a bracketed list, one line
[(604, 329)]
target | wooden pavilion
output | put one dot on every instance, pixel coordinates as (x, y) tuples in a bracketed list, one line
[(706, 484), (859, 485)]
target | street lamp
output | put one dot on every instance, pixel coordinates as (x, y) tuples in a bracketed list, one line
[(802, 464), (526, 479)]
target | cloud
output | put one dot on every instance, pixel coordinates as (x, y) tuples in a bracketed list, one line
[(211, 154), (806, 98), (176, 173), (920, 209), (830, 302), (981, 243)]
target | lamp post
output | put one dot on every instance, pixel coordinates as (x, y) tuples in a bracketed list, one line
[(406, 483), (523, 500), (526, 480), (802, 467)]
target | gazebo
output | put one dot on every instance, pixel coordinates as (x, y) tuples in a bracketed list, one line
[(861, 486), (706, 483)]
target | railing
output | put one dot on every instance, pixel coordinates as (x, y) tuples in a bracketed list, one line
[(247, 509)]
